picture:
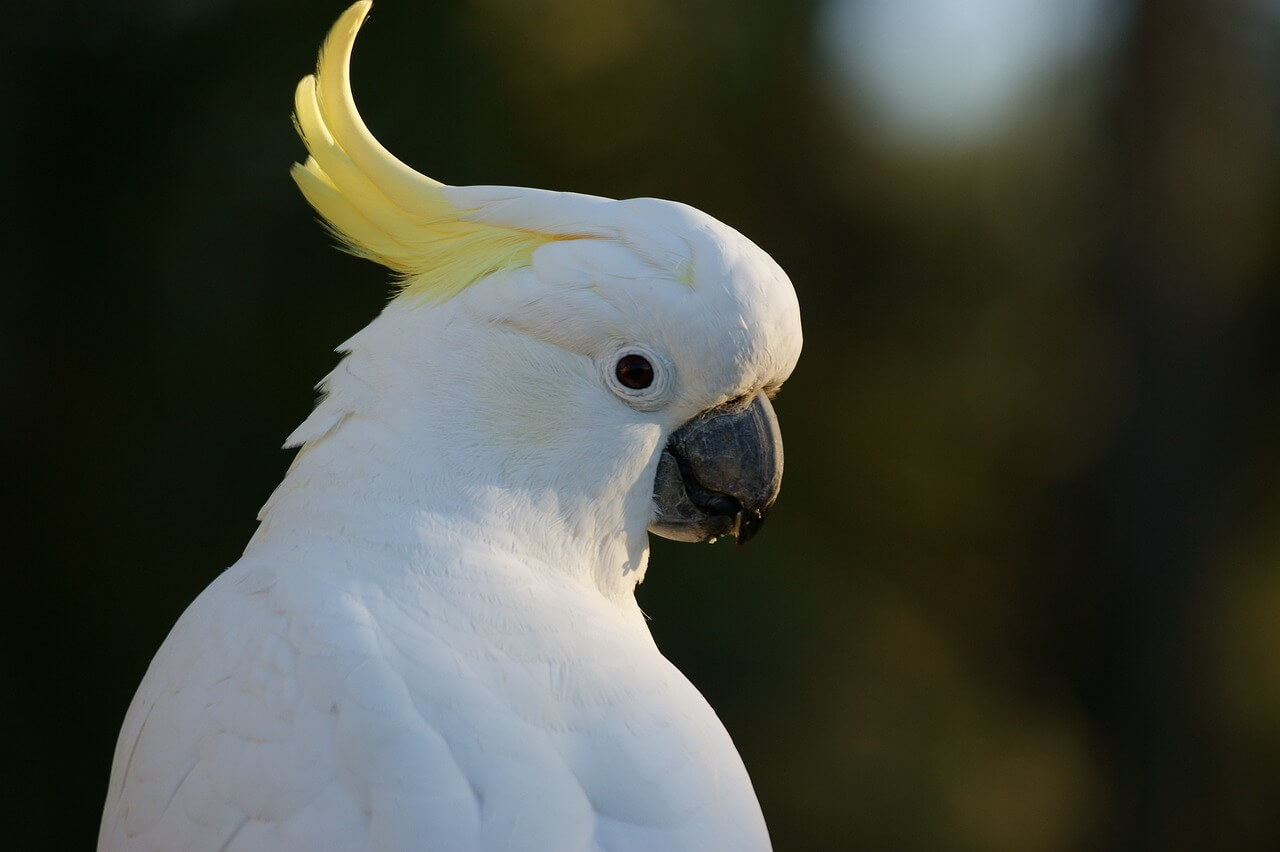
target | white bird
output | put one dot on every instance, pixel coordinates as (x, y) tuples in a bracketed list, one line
[(432, 640)]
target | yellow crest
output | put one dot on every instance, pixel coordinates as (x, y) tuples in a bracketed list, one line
[(379, 207)]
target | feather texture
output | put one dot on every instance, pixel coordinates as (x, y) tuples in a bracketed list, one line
[(432, 640)]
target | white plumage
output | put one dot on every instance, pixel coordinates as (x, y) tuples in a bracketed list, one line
[(432, 641)]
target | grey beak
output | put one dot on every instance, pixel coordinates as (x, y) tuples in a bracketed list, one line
[(719, 473)]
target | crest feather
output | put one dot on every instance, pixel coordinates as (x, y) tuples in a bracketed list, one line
[(379, 207)]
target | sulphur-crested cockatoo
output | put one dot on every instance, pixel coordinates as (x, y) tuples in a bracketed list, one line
[(432, 641)]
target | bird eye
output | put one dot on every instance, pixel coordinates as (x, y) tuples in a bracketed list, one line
[(634, 371)]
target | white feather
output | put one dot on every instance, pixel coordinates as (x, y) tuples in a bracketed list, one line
[(432, 640)]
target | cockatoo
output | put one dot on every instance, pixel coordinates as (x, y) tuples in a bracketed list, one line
[(432, 640)]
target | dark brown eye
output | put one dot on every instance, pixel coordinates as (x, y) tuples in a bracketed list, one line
[(634, 371)]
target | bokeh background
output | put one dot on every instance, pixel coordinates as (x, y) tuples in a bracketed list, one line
[(1022, 591)]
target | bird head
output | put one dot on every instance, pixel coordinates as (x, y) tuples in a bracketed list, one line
[(611, 361)]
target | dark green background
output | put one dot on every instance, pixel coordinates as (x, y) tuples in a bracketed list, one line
[(1022, 591)]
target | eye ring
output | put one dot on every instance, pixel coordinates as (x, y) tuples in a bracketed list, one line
[(642, 376), (634, 371)]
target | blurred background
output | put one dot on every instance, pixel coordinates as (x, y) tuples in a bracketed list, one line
[(1022, 591)]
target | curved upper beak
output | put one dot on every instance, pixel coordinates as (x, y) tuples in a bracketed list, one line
[(719, 473)]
